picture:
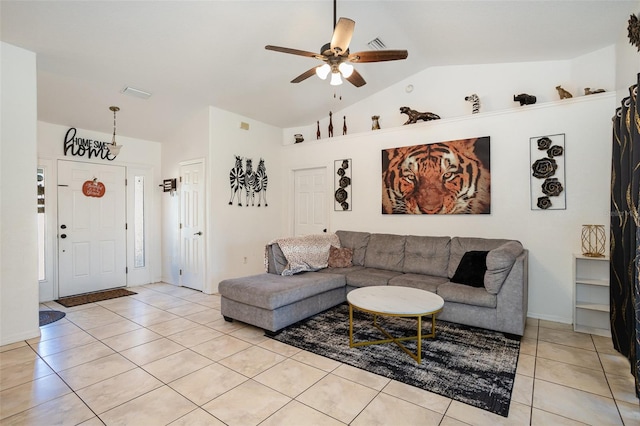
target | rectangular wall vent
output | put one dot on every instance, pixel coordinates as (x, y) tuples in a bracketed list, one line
[(376, 44)]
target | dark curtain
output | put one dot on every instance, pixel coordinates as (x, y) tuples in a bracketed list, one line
[(625, 232)]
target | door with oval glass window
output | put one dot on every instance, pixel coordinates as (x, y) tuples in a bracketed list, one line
[(91, 227)]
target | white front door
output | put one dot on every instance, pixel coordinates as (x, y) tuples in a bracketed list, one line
[(310, 216), (192, 239), (91, 228)]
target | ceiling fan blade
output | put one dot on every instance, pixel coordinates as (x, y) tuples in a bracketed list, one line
[(356, 79), (378, 56), (342, 34), (295, 52), (305, 75)]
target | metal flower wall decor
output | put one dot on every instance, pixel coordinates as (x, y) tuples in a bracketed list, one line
[(547, 172), (342, 185), (634, 31)]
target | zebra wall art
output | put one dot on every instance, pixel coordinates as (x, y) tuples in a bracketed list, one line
[(250, 182), (236, 181), (261, 181)]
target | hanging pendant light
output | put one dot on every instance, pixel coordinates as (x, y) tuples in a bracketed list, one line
[(113, 147)]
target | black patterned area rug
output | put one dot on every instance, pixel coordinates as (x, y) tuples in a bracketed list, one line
[(467, 364), (48, 317)]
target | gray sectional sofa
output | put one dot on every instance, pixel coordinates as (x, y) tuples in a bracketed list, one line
[(272, 301)]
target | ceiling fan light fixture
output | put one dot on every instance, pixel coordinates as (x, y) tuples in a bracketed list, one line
[(323, 71), (335, 79), (346, 69)]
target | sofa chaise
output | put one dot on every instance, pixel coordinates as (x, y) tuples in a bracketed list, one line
[(482, 281)]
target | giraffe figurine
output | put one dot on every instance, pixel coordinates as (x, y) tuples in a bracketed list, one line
[(344, 125), (330, 124)]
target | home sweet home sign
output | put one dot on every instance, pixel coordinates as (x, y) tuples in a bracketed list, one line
[(81, 147)]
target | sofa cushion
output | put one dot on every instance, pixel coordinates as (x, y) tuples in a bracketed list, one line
[(471, 269), (499, 263), (341, 271), (461, 245), (460, 293), (357, 241), (423, 282), (340, 257), (270, 291), (426, 255), (385, 251), (370, 276)]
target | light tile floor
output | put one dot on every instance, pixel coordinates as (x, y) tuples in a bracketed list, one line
[(166, 356)]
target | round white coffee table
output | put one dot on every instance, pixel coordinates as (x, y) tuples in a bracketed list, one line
[(396, 302)]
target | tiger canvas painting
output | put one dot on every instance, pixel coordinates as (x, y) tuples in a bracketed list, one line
[(451, 177)]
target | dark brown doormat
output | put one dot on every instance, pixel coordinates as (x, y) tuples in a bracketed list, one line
[(98, 296)]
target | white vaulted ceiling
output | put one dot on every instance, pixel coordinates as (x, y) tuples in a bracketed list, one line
[(191, 54)]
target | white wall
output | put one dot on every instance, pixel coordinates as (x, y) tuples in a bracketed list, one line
[(550, 236), (239, 232), (18, 213), (627, 64), (189, 142), (233, 233), (442, 90), (135, 153)]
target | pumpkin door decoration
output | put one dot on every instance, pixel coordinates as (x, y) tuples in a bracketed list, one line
[(93, 188)]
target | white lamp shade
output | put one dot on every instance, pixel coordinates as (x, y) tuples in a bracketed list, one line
[(323, 71), (346, 69), (114, 149), (335, 79)]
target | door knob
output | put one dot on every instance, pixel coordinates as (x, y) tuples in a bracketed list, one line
[(63, 226), (63, 236), (198, 233), (324, 230)]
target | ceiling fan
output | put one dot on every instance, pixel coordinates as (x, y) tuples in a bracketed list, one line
[(337, 58)]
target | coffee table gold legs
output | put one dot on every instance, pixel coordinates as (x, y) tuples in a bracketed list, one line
[(397, 340)]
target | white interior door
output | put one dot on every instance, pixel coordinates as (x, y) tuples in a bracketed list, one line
[(91, 229), (192, 239), (310, 201)]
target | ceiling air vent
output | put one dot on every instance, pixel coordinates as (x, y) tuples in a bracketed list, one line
[(137, 93), (376, 44)]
